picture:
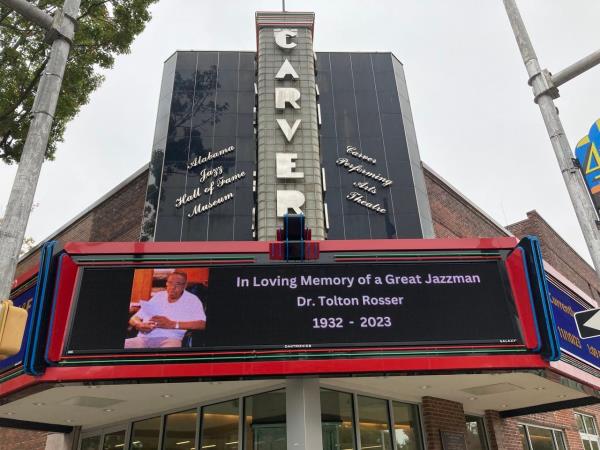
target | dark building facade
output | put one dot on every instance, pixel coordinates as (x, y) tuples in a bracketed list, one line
[(206, 174), (205, 125), (365, 108)]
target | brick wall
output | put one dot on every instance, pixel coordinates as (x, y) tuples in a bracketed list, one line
[(453, 215), (558, 253), (117, 218), (504, 433), (13, 439), (441, 415)]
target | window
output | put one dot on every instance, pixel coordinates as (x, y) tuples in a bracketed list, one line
[(475, 437), (180, 430), (114, 441), (588, 431), (145, 434), (265, 421), (90, 443), (540, 438), (220, 426), (337, 420), (216, 426), (407, 430), (376, 423)]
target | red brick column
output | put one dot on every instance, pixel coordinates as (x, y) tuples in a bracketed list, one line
[(14, 439), (441, 415), (503, 433)]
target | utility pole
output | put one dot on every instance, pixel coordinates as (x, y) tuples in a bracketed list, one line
[(60, 31), (545, 90)]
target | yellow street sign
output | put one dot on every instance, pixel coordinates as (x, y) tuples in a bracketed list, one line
[(12, 328)]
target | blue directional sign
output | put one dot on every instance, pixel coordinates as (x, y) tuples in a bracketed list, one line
[(565, 309), (588, 155)]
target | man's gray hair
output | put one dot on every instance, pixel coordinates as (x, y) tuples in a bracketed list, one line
[(181, 274)]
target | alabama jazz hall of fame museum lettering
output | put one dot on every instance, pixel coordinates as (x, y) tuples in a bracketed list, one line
[(205, 333)]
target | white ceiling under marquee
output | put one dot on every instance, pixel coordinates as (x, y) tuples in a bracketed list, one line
[(102, 405)]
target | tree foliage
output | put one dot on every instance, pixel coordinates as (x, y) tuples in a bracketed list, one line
[(105, 29)]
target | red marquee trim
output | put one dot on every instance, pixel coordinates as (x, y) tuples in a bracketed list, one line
[(275, 369), (62, 308), (131, 248)]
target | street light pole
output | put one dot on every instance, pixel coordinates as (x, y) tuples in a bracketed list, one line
[(545, 90), (60, 32)]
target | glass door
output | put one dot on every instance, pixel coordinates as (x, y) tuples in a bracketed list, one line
[(110, 439), (114, 440), (91, 442), (269, 437)]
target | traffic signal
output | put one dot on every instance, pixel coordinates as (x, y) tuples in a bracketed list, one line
[(12, 328)]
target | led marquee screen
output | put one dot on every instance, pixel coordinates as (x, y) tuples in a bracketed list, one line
[(292, 306)]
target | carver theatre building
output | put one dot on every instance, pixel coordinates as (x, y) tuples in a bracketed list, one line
[(287, 274)]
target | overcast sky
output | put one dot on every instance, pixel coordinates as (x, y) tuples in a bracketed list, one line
[(476, 123)]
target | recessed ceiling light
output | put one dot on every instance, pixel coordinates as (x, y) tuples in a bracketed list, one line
[(539, 388), (472, 398), (108, 410), (504, 405), (562, 396), (425, 386), (69, 421), (166, 396), (38, 403), (10, 413)]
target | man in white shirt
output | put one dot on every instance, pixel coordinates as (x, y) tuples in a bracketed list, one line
[(163, 320)]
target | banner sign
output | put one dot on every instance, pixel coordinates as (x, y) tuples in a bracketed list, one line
[(589, 161), (296, 307), (564, 307)]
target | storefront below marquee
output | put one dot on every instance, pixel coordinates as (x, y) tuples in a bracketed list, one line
[(361, 412), (387, 412), (259, 421)]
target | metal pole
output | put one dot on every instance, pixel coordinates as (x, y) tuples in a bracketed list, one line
[(12, 227), (30, 12), (544, 94), (576, 69)]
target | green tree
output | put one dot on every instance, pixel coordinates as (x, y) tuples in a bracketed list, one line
[(105, 29)]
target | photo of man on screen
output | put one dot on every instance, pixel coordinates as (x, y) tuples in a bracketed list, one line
[(163, 320)]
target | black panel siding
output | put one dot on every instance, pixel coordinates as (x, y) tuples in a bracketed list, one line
[(211, 109), (360, 107)]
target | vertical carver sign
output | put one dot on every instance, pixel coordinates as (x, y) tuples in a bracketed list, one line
[(289, 170)]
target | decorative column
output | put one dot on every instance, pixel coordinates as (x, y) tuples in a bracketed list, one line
[(303, 414), (289, 169)]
